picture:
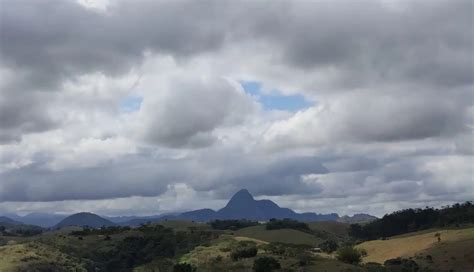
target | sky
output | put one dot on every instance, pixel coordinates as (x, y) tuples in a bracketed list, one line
[(146, 107)]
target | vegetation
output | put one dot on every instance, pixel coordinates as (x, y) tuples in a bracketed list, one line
[(402, 264), (265, 264), (349, 254), (246, 249), (275, 224), (183, 267), (287, 236), (328, 246), (232, 224), (411, 220), (101, 231), (191, 246)]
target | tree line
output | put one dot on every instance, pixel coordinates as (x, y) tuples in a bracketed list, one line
[(410, 220)]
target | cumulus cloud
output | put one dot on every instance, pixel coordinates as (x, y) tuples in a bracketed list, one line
[(391, 125), (185, 111)]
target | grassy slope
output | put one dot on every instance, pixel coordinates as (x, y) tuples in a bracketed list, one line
[(454, 242), (179, 225), (205, 258), (34, 257), (288, 236), (334, 227)]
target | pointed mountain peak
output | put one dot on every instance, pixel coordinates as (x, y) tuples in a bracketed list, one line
[(241, 199), (243, 194)]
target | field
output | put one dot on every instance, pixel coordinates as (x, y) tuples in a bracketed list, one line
[(35, 257), (288, 236), (454, 251), (59, 249), (333, 227)]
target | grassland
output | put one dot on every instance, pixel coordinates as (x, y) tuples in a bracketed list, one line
[(288, 236), (333, 227), (34, 256), (452, 252), (181, 225)]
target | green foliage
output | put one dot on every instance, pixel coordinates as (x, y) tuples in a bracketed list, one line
[(349, 254), (100, 231), (328, 246), (232, 224), (265, 264), (410, 220), (286, 223), (183, 267), (400, 264), (150, 243), (245, 249)]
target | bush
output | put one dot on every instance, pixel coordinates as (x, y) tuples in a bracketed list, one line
[(232, 224), (349, 254), (183, 267), (286, 223), (402, 264), (265, 264), (328, 246), (244, 252)]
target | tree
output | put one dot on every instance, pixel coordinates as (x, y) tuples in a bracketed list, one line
[(265, 264)]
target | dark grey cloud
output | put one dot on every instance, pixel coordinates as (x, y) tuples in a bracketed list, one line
[(425, 43), (396, 76), (365, 44)]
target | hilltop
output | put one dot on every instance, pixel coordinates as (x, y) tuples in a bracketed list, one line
[(84, 219)]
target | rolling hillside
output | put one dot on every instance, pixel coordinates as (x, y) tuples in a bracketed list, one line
[(453, 251), (289, 236)]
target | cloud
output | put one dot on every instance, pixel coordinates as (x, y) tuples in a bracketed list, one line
[(185, 111), (140, 101)]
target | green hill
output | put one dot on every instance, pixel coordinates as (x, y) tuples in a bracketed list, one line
[(289, 236)]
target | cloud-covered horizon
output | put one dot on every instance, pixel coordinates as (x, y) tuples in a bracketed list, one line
[(145, 107)]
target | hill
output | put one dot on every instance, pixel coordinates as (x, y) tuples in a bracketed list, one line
[(411, 220), (37, 257), (44, 220), (452, 252), (242, 205), (8, 222), (84, 219), (287, 236)]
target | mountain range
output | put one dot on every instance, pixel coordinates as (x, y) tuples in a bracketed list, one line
[(242, 205)]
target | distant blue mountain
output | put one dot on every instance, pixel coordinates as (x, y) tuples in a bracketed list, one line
[(84, 219), (243, 206), (40, 219), (6, 221)]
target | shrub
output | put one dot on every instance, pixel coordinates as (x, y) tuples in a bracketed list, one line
[(244, 252), (286, 223), (265, 264), (328, 246), (304, 259), (232, 224), (402, 264), (349, 254), (183, 267)]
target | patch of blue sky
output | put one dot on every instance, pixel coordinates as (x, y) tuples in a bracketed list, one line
[(131, 103), (275, 100)]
